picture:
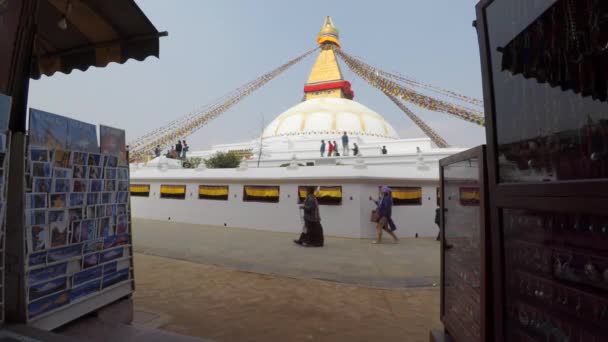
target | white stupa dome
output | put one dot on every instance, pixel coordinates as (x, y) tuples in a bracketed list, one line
[(330, 116)]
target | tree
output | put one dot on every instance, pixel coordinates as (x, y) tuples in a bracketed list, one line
[(222, 160), (192, 162)]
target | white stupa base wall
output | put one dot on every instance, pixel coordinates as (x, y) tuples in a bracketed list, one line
[(350, 219)]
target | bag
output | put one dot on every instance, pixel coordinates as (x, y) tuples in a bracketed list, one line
[(375, 216)]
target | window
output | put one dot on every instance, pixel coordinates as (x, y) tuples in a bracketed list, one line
[(469, 197), (173, 191), (257, 193), (140, 190), (327, 195), (406, 195), (213, 192)]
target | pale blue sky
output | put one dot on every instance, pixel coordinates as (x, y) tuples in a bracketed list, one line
[(215, 46)]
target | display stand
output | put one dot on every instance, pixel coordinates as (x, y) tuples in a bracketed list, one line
[(547, 130), (5, 139), (465, 287), (77, 238)]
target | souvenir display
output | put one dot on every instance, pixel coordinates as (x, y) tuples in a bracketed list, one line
[(464, 256), (556, 274), (70, 210), (550, 90)]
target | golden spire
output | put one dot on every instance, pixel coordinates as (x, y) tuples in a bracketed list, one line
[(325, 79), (328, 33)]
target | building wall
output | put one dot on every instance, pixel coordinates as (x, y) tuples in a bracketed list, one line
[(350, 219)]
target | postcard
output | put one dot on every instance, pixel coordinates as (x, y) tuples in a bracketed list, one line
[(41, 169), (90, 260), (47, 304), (42, 184), (47, 130), (57, 216), (110, 173), (39, 155), (123, 185), (94, 159), (123, 173), (38, 238), (87, 275), (62, 158), (46, 288), (79, 185), (59, 234), (123, 239), (60, 172), (76, 200), (105, 228), (95, 172), (110, 185), (122, 224), (121, 209), (88, 230), (115, 278), (90, 212), (110, 209), (82, 136), (79, 171), (76, 231), (58, 200), (122, 264), (110, 267), (64, 253), (110, 161), (92, 198), (35, 216), (100, 211), (47, 273), (85, 290), (107, 198), (35, 201), (36, 259), (96, 185), (76, 214), (79, 158), (93, 246), (61, 185), (122, 197)]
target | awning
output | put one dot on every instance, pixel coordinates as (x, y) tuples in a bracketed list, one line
[(97, 32)]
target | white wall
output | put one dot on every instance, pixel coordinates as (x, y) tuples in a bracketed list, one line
[(351, 219)]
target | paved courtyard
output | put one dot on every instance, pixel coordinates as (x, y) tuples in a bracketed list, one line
[(410, 263), (223, 304)]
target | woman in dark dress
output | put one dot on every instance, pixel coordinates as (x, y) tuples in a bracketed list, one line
[(312, 236)]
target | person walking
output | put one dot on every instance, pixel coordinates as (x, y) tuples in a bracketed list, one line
[(384, 151), (355, 149), (185, 149), (330, 148), (438, 221), (345, 144), (312, 234), (384, 207), (322, 148), (178, 148), (157, 151), (336, 148)]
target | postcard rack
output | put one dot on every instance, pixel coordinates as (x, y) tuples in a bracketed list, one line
[(78, 248)]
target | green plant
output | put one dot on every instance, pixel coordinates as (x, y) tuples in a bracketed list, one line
[(192, 163), (222, 160)]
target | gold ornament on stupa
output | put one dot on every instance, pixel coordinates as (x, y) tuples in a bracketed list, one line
[(328, 33)]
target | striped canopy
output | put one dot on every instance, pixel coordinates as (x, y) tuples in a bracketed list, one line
[(98, 32)]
